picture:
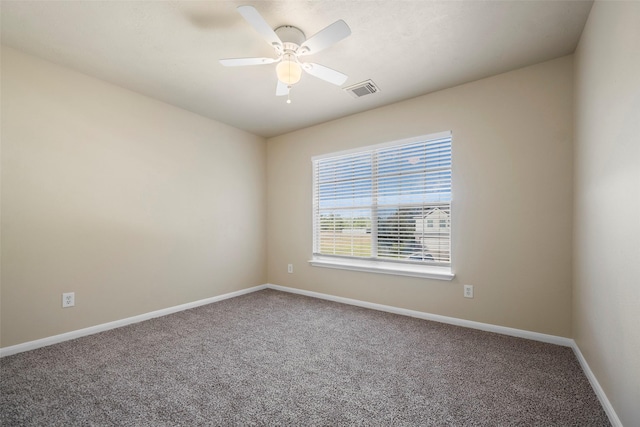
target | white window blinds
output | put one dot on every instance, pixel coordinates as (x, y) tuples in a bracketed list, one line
[(390, 202)]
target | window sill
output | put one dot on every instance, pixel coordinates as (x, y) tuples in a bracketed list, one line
[(382, 267)]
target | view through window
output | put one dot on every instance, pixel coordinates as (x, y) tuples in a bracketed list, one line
[(389, 202)]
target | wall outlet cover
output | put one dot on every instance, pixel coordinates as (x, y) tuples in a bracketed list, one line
[(68, 299), (468, 291)]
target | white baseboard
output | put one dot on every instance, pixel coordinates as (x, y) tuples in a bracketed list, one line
[(32, 345), (604, 401), (536, 336), (552, 339)]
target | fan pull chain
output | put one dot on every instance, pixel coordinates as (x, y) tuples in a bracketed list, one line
[(289, 95)]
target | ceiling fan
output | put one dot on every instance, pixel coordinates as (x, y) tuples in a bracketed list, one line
[(290, 44)]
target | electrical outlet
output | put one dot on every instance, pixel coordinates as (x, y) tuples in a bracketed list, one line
[(468, 291), (290, 268), (68, 299)]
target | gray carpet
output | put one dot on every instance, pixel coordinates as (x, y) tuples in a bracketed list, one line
[(273, 358)]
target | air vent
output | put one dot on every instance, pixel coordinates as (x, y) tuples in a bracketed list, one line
[(361, 89)]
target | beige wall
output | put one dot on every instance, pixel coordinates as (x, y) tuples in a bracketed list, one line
[(133, 204), (606, 296), (512, 207)]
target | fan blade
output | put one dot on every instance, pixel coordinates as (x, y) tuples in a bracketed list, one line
[(325, 73), (282, 89), (260, 25), (325, 38), (239, 62)]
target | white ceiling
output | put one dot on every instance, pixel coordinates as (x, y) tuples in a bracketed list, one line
[(169, 50)]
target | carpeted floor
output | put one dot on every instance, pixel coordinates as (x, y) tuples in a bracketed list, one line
[(273, 358)]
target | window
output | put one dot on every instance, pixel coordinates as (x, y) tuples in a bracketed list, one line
[(375, 208)]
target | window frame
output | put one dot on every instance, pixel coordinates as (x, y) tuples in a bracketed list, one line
[(377, 265)]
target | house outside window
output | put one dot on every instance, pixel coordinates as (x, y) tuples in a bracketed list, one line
[(375, 208)]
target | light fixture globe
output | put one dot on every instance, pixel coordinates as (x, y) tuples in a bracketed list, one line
[(288, 70)]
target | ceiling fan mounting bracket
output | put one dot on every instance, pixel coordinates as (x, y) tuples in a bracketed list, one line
[(290, 34)]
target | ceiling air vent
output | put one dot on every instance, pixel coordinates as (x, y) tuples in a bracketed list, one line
[(361, 89)]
